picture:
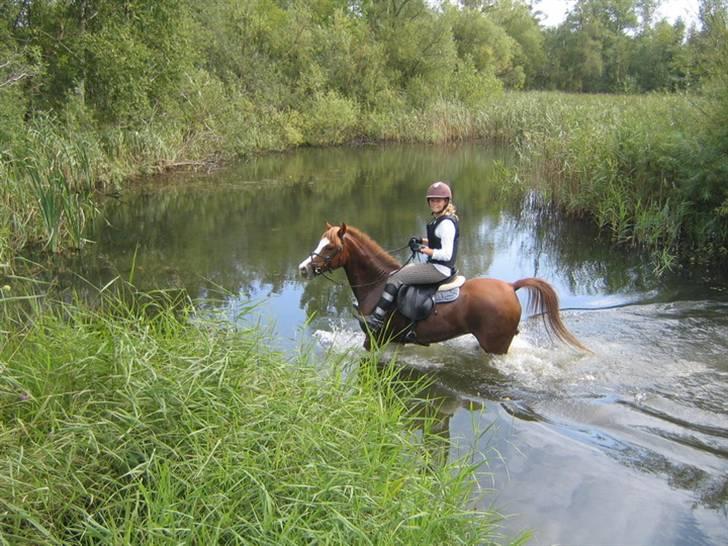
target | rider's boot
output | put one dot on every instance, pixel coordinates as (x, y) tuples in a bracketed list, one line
[(375, 321)]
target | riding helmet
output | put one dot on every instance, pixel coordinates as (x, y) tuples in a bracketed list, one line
[(439, 190)]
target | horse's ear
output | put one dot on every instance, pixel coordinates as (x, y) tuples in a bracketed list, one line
[(342, 230), (328, 226)]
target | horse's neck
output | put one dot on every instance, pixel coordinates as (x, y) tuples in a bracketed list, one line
[(367, 273)]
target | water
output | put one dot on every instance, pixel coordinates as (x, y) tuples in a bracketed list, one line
[(625, 446)]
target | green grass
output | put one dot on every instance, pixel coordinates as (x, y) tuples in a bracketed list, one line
[(136, 421)]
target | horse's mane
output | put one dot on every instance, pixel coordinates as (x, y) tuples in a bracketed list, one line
[(365, 242)]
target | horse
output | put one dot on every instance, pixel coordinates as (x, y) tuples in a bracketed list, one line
[(487, 308)]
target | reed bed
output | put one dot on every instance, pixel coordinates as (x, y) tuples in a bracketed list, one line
[(631, 163), (54, 173), (137, 421)]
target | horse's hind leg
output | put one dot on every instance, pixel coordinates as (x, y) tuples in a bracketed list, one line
[(497, 345)]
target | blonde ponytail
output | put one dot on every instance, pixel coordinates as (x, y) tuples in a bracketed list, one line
[(449, 210)]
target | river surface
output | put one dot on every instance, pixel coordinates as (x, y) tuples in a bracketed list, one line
[(627, 446)]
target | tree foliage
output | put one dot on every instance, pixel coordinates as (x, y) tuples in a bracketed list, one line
[(123, 58), (617, 46), (129, 62)]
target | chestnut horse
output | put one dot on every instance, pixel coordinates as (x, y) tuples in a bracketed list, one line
[(487, 308)]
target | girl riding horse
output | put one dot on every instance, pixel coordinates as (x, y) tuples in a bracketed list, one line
[(440, 247)]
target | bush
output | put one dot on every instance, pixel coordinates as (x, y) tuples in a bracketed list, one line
[(330, 118)]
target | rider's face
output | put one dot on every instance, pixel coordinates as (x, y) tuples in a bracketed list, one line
[(437, 204)]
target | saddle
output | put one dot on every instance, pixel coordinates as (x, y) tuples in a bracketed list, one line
[(417, 301)]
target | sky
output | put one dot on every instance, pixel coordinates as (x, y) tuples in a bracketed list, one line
[(555, 10)]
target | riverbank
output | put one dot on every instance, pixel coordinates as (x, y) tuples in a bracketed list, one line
[(645, 168), (138, 420)]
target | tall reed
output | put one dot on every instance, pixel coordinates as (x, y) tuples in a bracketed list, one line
[(52, 175), (625, 161)]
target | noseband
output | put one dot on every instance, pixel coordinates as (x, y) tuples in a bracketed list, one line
[(318, 270)]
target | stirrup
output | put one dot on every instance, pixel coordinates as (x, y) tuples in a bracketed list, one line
[(372, 323), (368, 323)]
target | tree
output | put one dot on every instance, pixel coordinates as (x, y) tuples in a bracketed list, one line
[(645, 10), (123, 59), (592, 47), (709, 43), (520, 24), (656, 62), (18, 70), (418, 45)]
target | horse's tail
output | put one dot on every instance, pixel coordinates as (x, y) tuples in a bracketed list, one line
[(542, 300)]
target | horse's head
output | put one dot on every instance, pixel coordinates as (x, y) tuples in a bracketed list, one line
[(328, 255)]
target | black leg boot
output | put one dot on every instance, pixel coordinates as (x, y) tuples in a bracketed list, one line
[(375, 321)]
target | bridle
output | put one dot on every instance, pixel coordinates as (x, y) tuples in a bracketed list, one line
[(322, 270)]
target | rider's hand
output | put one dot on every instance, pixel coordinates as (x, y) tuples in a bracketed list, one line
[(415, 244)]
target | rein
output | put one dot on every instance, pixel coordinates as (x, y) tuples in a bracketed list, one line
[(398, 249), (372, 283)]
